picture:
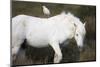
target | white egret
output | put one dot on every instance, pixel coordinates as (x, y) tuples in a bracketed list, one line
[(46, 11)]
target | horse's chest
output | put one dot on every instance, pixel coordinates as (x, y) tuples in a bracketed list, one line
[(64, 34)]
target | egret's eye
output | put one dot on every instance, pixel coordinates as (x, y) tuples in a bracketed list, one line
[(76, 34)]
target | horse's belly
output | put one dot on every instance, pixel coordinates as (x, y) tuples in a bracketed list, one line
[(37, 39), (37, 42), (37, 34)]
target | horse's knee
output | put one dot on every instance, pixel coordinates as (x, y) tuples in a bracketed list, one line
[(57, 58)]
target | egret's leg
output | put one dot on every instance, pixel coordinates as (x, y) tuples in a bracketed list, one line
[(58, 54)]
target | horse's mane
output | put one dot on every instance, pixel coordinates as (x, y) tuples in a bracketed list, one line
[(79, 25)]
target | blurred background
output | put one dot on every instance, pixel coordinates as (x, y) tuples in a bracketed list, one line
[(30, 55)]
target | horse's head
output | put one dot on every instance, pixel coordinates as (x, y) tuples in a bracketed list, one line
[(79, 29), (80, 34)]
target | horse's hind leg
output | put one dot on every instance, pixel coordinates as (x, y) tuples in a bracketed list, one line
[(58, 54), (15, 47), (15, 50)]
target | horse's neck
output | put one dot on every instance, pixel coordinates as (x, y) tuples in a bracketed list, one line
[(76, 21)]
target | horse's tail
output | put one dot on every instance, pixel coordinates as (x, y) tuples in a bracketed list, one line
[(17, 33)]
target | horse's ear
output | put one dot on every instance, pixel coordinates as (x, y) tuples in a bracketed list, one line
[(84, 24)]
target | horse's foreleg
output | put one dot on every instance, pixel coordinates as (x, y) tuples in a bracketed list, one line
[(58, 54)]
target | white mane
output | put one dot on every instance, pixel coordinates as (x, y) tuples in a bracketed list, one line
[(77, 22)]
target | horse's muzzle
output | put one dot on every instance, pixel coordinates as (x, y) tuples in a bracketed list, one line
[(80, 48)]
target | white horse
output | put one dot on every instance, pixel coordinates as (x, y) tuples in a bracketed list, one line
[(41, 32)]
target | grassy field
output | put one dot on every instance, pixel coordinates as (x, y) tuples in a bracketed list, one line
[(71, 53)]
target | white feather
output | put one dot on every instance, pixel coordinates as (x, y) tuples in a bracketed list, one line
[(46, 11)]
